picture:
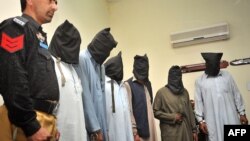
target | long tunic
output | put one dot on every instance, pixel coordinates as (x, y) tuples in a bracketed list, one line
[(218, 101), (93, 80), (70, 114), (119, 123), (166, 106), (151, 122)]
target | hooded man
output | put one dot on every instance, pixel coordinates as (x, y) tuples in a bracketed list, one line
[(117, 101), (217, 99), (92, 73), (173, 108), (65, 47), (140, 97)]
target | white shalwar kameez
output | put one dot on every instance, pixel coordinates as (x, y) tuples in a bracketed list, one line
[(70, 115), (119, 123), (219, 102)]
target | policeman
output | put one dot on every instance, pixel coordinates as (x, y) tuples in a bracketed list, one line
[(28, 81)]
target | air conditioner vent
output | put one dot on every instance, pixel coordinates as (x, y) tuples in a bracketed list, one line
[(200, 35)]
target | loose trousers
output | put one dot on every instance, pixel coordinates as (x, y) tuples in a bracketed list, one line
[(10, 132)]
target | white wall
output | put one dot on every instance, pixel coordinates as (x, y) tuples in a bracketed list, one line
[(144, 26), (89, 16)]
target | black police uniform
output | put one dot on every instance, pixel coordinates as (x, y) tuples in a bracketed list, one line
[(27, 77)]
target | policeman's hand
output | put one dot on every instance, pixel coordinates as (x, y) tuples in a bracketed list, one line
[(203, 127), (195, 137), (243, 120), (57, 135), (136, 137), (178, 118), (41, 135)]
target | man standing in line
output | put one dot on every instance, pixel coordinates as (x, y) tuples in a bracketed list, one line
[(118, 111), (217, 99), (140, 98), (65, 48), (28, 81), (173, 108), (92, 73)]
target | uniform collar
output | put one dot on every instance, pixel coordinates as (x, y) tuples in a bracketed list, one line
[(33, 22)]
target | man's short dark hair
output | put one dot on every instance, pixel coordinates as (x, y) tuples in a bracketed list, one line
[(23, 5)]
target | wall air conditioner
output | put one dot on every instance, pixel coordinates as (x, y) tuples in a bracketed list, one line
[(200, 35), (112, 0)]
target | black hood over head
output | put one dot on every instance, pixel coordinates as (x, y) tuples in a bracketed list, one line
[(140, 71), (141, 67), (212, 63), (175, 80), (101, 46), (65, 43), (114, 68)]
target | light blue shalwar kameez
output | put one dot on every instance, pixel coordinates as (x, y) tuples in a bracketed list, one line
[(93, 80), (219, 102)]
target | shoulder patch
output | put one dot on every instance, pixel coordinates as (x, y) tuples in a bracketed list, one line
[(20, 20), (12, 44)]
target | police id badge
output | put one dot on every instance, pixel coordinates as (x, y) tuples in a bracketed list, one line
[(43, 45), (42, 41)]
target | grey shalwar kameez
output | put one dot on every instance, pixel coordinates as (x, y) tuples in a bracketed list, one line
[(166, 105)]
